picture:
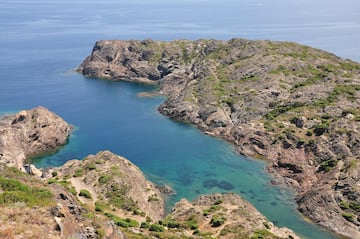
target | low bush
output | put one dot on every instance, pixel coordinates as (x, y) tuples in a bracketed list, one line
[(156, 228), (85, 193)]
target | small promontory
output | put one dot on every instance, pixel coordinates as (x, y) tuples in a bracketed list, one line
[(29, 133), (291, 104)]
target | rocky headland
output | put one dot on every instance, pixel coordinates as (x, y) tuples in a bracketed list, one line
[(104, 196), (30, 133), (293, 105)]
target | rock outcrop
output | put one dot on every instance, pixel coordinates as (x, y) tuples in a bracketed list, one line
[(294, 105), (30, 133)]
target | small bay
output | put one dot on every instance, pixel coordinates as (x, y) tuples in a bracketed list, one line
[(43, 42)]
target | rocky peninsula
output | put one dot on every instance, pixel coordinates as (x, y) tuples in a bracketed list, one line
[(104, 196), (291, 104)]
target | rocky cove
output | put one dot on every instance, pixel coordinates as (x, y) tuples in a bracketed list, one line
[(290, 104), (104, 195)]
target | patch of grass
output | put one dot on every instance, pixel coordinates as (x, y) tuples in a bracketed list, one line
[(280, 69), (349, 65), (13, 191), (121, 222), (101, 206)]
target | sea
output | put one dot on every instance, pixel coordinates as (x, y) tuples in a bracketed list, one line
[(42, 42)]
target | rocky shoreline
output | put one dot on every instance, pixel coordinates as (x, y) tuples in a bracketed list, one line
[(104, 196), (296, 106)]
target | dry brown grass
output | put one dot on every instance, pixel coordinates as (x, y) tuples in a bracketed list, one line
[(23, 222), (7, 233)]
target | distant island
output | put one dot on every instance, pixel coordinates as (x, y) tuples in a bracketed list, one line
[(293, 105)]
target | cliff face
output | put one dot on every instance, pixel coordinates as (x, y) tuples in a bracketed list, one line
[(291, 104), (30, 133)]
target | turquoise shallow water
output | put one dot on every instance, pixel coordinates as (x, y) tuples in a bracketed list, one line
[(41, 42)]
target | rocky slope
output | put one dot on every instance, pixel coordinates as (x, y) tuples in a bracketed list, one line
[(226, 216), (30, 133), (291, 104), (113, 182)]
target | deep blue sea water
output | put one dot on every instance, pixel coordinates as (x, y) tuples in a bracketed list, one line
[(41, 42)]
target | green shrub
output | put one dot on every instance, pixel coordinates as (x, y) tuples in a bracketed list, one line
[(78, 172), (348, 216), (354, 206), (91, 167), (321, 129), (327, 165), (85, 193), (105, 178), (344, 205), (171, 223), (145, 225), (156, 228), (122, 222), (217, 221)]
